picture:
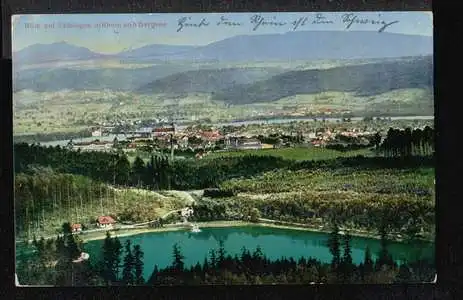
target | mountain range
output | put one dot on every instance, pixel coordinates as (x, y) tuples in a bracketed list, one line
[(389, 62), (302, 45)]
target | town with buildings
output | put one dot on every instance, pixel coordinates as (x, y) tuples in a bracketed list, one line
[(203, 139)]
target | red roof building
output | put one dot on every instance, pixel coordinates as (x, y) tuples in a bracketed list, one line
[(105, 221), (76, 227), (211, 135)]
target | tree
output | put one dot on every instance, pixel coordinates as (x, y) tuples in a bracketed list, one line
[(123, 170), (334, 247), (368, 263), (376, 140), (221, 254), (347, 265), (384, 257), (72, 249), (128, 266), (213, 258), (137, 171), (116, 144), (111, 258), (254, 215), (404, 275), (178, 263), (138, 264), (154, 274)]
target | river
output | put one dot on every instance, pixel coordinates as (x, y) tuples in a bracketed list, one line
[(275, 243)]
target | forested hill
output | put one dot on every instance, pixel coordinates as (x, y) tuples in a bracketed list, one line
[(209, 80), (363, 80)]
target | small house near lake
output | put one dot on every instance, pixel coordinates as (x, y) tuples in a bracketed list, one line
[(76, 227), (105, 222)]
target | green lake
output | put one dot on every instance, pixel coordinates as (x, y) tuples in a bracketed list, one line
[(275, 243)]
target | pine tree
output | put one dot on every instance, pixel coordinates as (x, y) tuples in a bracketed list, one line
[(137, 171), (205, 265), (384, 257), (221, 254), (178, 263), (347, 265), (123, 170), (138, 264), (334, 246), (111, 258), (404, 275), (128, 266), (368, 263), (213, 258), (153, 278), (71, 245)]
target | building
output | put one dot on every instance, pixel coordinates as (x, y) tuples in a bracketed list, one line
[(93, 146), (76, 227), (96, 133), (105, 222), (242, 143), (211, 136), (83, 257), (161, 131), (144, 132)]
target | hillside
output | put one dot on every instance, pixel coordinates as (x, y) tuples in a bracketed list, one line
[(208, 80), (363, 80), (119, 79)]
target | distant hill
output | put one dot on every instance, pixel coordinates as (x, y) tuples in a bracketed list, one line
[(208, 80), (363, 80), (312, 45), (39, 53), (153, 51), (49, 80)]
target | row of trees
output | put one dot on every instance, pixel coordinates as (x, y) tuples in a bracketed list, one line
[(123, 265), (408, 142), (160, 173), (219, 267)]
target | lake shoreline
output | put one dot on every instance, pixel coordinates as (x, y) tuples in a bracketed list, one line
[(226, 224)]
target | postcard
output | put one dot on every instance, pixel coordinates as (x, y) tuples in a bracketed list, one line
[(224, 148)]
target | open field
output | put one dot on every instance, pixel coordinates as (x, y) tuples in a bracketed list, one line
[(51, 112)]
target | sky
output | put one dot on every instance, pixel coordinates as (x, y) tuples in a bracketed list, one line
[(86, 30)]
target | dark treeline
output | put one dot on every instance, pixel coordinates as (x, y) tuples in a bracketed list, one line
[(49, 137), (52, 263), (160, 173), (408, 142), (346, 147)]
